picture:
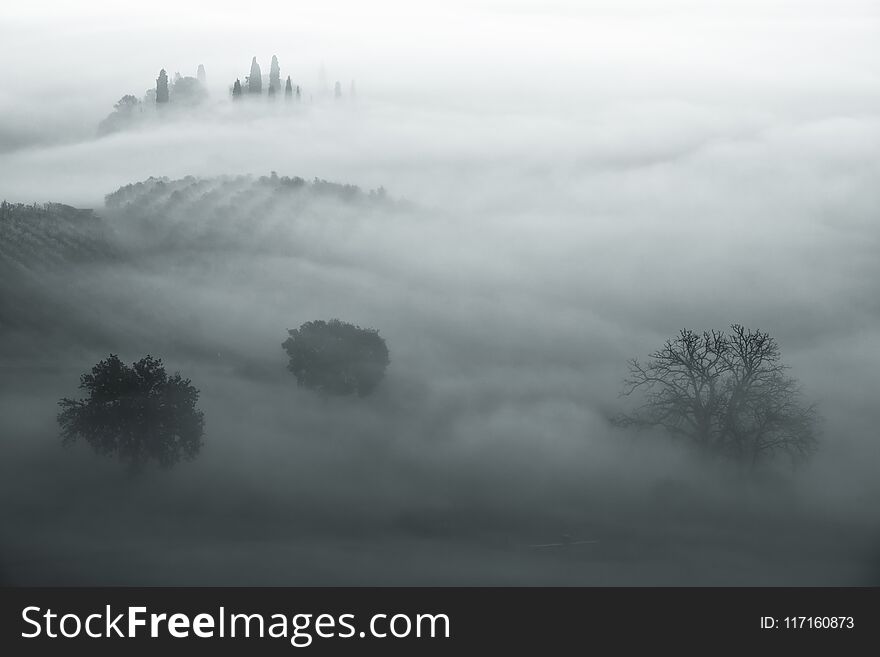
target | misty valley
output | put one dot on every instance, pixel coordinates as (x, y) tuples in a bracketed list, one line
[(568, 294), (477, 458)]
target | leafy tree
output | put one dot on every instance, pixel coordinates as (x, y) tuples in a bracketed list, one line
[(125, 112), (255, 79), (137, 413), (236, 89), (188, 91), (725, 393), (336, 358), (288, 89), (162, 87), (127, 103)]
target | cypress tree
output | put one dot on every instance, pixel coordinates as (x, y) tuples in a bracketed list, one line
[(255, 81), (162, 87), (274, 73)]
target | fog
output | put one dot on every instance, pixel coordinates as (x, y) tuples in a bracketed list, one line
[(567, 185)]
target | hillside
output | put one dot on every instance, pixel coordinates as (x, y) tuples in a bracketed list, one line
[(52, 234), (44, 250), (84, 277), (240, 213)]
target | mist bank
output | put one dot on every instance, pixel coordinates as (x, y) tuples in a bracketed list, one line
[(487, 436), (520, 199)]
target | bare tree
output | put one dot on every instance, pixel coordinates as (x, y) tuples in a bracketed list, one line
[(726, 393)]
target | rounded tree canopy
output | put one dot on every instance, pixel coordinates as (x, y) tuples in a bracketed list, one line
[(138, 413), (336, 358)]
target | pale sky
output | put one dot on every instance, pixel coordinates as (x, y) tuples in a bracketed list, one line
[(511, 48)]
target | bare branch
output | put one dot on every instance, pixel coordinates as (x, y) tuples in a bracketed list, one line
[(726, 392)]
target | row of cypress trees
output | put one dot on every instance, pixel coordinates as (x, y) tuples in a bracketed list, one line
[(254, 82)]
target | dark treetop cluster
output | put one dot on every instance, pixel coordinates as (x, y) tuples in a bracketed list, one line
[(336, 358), (136, 412), (188, 91)]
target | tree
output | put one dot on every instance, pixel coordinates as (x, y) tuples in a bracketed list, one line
[(188, 91), (128, 103), (162, 87), (298, 93), (236, 89), (125, 112), (137, 413), (255, 80), (727, 394), (274, 73), (200, 74), (288, 89), (336, 358)]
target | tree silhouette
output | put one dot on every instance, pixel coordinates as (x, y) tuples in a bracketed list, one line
[(137, 413), (725, 393), (255, 79), (162, 87), (127, 103), (298, 92), (236, 89), (336, 358), (200, 74), (288, 89), (187, 91), (125, 112), (274, 73)]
